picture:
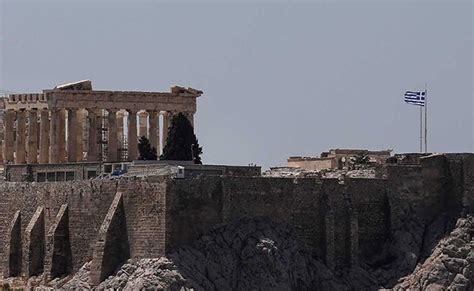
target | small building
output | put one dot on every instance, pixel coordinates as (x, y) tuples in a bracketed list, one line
[(59, 172), (337, 159), (187, 169), (89, 170)]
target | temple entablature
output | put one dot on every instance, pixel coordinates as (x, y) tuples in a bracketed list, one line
[(73, 122)]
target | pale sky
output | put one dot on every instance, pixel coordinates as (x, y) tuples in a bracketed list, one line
[(280, 78)]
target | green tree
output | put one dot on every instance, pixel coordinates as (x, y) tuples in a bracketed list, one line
[(147, 152), (360, 161), (182, 144)]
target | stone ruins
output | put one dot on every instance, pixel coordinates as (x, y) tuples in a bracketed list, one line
[(52, 229), (74, 123), (337, 159)]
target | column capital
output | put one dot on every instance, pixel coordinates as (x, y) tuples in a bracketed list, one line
[(112, 110)]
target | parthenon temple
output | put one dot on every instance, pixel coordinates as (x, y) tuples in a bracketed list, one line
[(73, 123)]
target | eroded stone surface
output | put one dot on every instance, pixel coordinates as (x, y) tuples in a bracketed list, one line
[(451, 265)]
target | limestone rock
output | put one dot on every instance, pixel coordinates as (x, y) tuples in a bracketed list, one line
[(249, 254), (451, 264)]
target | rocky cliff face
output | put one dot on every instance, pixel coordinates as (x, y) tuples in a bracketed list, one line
[(450, 265), (255, 254), (248, 254)]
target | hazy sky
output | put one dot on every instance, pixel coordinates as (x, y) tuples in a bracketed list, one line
[(280, 78)]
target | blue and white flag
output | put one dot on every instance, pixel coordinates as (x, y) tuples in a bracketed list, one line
[(415, 98)]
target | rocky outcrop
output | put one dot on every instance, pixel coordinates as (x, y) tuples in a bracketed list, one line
[(248, 254), (257, 254), (451, 264)]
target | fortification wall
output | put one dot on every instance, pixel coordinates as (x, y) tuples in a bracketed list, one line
[(88, 202), (440, 184), (461, 171), (373, 212), (147, 217), (87, 205), (333, 219), (193, 207), (298, 204)]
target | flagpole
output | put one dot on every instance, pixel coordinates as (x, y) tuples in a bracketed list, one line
[(426, 118), (421, 129)]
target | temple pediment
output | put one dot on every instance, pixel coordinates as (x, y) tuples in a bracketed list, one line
[(79, 85)]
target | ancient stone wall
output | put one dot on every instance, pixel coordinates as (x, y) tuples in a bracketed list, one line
[(332, 218), (298, 204), (404, 193), (112, 246), (193, 207), (372, 209), (461, 171), (144, 201), (87, 204), (57, 227)]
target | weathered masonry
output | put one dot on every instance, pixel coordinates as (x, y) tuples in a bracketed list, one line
[(73, 123), (54, 228)]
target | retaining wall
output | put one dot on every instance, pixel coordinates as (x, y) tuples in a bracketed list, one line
[(52, 227)]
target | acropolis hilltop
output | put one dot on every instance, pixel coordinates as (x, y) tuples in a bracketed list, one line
[(74, 123)]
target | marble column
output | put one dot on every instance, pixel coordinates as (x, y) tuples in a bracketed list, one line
[(112, 138), (32, 136), (62, 136), (54, 137), (80, 135), (120, 127), (44, 137), (166, 125), (143, 123), (2, 139), (71, 135), (93, 151), (132, 135), (20, 137), (9, 146), (154, 129)]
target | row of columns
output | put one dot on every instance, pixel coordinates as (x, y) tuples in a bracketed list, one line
[(45, 141)]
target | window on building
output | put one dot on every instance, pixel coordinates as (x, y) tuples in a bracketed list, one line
[(108, 169), (41, 177), (91, 174), (70, 176), (60, 176), (51, 177)]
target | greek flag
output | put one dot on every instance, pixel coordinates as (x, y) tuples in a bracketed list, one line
[(415, 98)]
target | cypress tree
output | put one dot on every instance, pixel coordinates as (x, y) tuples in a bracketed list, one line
[(147, 152), (182, 144)]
